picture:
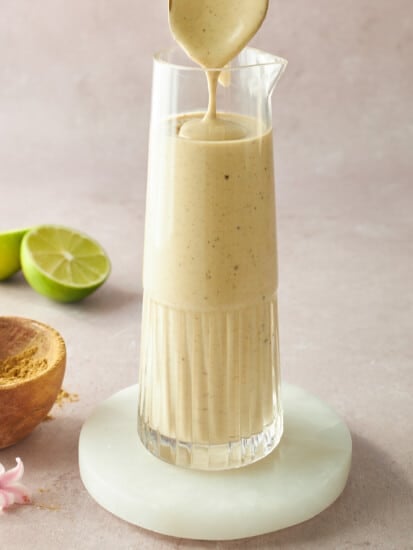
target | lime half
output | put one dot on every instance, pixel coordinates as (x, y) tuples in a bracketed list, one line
[(63, 264), (10, 252)]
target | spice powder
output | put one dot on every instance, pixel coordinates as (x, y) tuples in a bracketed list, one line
[(22, 366)]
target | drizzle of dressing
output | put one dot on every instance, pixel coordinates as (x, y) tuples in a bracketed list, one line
[(212, 32)]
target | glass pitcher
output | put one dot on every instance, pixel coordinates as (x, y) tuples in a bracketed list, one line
[(209, 391)]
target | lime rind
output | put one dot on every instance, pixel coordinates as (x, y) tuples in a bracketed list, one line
[(59, 235), (10, 242), (62, 263), (15, 232)]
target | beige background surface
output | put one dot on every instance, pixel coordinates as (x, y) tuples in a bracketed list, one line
[(74, 110)]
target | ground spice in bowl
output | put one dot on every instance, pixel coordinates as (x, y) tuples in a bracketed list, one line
[(32, 367), (21, 367)]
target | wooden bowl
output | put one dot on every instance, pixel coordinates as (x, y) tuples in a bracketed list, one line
[(38, 353)]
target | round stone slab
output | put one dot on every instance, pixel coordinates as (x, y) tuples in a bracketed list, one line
[(302, 477)]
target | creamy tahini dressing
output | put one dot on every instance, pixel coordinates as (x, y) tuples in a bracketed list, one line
[(212, 32), (210, 280)]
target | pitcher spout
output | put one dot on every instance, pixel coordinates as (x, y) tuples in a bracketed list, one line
[(265, 70), (273, 72)]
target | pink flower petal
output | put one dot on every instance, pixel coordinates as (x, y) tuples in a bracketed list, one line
[(13, 475), (20, 494), (6, 500), (11, 491)]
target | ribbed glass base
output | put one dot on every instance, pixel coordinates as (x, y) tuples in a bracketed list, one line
[(212, 457), (209, 384)]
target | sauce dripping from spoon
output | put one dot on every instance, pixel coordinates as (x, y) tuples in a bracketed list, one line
[(212, 32)]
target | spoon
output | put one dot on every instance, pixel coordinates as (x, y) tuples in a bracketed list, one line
[(212, 32)]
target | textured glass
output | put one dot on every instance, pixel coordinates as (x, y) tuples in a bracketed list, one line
[(209, 372)]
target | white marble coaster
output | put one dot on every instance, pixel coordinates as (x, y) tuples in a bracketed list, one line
[(303, 476)]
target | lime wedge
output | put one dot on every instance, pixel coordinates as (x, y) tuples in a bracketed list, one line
[(62, 263), (10, 252)]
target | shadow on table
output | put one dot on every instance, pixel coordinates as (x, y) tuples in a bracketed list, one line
[(16, 281), (53, 444), (107, 299), (377, 490)]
